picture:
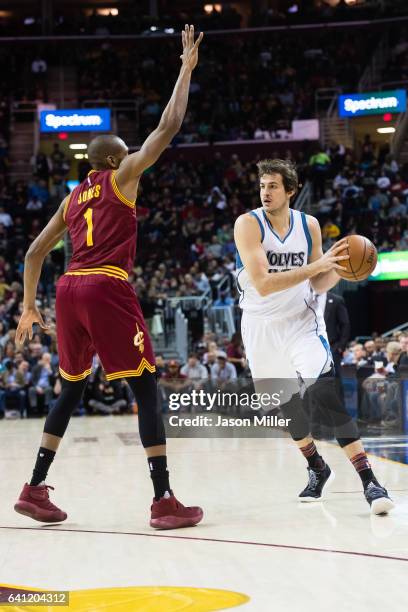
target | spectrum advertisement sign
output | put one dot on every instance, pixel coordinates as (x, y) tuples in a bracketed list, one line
[(76, 120), (391, 266), (372, 103)]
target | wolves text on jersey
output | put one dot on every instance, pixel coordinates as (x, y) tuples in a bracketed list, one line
[(285, 261)]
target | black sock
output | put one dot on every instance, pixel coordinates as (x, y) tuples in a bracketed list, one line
[(314, 460), (159, 475), (367, 476), (363, 468), (44, 459)]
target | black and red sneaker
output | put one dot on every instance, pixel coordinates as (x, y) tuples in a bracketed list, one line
[(169, 513), (34, 501)]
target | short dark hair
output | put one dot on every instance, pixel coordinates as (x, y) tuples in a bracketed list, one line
[(284, 167)]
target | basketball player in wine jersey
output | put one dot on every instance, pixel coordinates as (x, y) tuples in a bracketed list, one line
[(280, 269), (96, 308)]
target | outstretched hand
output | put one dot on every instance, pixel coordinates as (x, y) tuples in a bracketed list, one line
[(25, 325), (190, 48)]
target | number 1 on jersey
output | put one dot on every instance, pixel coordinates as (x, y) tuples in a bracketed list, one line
[(88, 217)]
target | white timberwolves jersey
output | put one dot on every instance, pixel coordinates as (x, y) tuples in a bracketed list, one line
[(288, 253)]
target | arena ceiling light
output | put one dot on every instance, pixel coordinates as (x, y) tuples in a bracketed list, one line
[(209, 8), (81, 155), (105, 12), (78, 146), (386, 130)]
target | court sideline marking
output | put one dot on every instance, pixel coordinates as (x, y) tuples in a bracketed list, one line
[(218, 540)]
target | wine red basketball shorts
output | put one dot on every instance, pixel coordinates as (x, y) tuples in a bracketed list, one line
[(99, 313)]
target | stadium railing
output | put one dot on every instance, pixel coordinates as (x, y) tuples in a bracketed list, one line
[(181, 334), (394, 330)]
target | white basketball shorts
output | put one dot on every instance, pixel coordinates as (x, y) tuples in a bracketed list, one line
[(289, 348)]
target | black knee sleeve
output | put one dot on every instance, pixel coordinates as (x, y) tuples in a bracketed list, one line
[(298, 425), (58, 418), (151, 427), (326, 406)]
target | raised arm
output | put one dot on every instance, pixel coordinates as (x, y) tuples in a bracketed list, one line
[(127, 176), (248, 241), (39, 249)]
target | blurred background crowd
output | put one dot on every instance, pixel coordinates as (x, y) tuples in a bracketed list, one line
[(250, 87)]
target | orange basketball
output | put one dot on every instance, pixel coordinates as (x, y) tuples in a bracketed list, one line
[(363, 259)]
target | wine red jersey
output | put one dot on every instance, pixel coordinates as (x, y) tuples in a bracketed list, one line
[(102, 225)]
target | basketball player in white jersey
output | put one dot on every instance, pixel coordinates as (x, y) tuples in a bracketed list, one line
[(280, 268)]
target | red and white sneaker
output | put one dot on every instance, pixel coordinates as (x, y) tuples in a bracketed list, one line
[(34, 501), (169, 513)]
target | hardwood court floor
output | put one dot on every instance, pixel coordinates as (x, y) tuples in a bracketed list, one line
[(255, 539)]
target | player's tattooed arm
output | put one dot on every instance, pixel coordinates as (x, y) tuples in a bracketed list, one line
[(128, 174), (42, 245), (327, 276)]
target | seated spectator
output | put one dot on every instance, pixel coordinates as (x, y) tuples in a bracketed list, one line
[(399, 186), (107, 397), (42, 380), (397, 208), (215, 248), (34, 205), (379, 354), (14, 387), (403, 358), (359, 356), (217, 199), (35, 350), (377, 201), (194, 371), (373, 401), (223, 372), (370, 354), (352, 191), (160, 366), (172, 381), (383, 181), (340, 181), (393, 350), (235, 353), (212, 349), (330, 233)]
